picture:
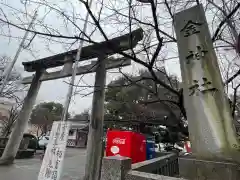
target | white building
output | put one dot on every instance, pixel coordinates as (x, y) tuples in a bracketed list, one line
[(78, 133)]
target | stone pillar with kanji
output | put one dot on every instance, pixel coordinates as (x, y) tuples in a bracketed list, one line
[(210, 123)]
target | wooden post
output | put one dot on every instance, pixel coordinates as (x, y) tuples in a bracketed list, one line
[(95, 140), (22, 122), (209, 117)]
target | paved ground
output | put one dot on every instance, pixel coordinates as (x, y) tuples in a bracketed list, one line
[(28, 169)]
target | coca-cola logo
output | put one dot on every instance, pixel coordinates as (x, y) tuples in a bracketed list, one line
[(115, 149), (119, 141)]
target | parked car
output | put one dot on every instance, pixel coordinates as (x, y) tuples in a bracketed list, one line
[(43, 141), (33, 141)]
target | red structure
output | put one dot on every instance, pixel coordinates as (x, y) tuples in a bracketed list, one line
[(187, 146), (126, 143)]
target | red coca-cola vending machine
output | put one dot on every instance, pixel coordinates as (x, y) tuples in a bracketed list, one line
[(127, 144)]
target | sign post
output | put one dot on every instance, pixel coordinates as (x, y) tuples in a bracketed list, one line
[(210, 123), (54, 155)]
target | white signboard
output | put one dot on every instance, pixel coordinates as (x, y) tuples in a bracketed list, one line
[(53, 159)]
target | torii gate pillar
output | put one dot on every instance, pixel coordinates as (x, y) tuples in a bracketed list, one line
[(16, 136)]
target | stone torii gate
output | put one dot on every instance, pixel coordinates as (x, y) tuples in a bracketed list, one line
[(99, 50)]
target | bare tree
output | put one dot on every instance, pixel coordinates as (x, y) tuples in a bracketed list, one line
[(12, 92), (13, 88), (10, 121)]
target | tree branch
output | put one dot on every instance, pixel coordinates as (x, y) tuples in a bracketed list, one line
[(234, 100), (162, 83), (232, 77), (45, 34), (224, 21), (169, 9), (160, 40)]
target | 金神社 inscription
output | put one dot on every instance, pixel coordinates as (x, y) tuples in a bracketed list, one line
[(196, 55), (191, 28), (204, 87)]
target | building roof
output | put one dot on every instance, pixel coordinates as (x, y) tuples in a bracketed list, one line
[(79, 126)]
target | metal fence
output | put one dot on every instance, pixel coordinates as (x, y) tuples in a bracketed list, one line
[(166, 165)]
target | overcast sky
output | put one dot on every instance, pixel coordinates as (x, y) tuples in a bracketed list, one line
[(56, 90)]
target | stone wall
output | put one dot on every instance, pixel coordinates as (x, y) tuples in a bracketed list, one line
[(195, 169), (121, 168), (168, 167), (137, 175)]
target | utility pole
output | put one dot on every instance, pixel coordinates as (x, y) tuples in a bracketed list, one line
[(74, 71), (63, 123), (8, 70)]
